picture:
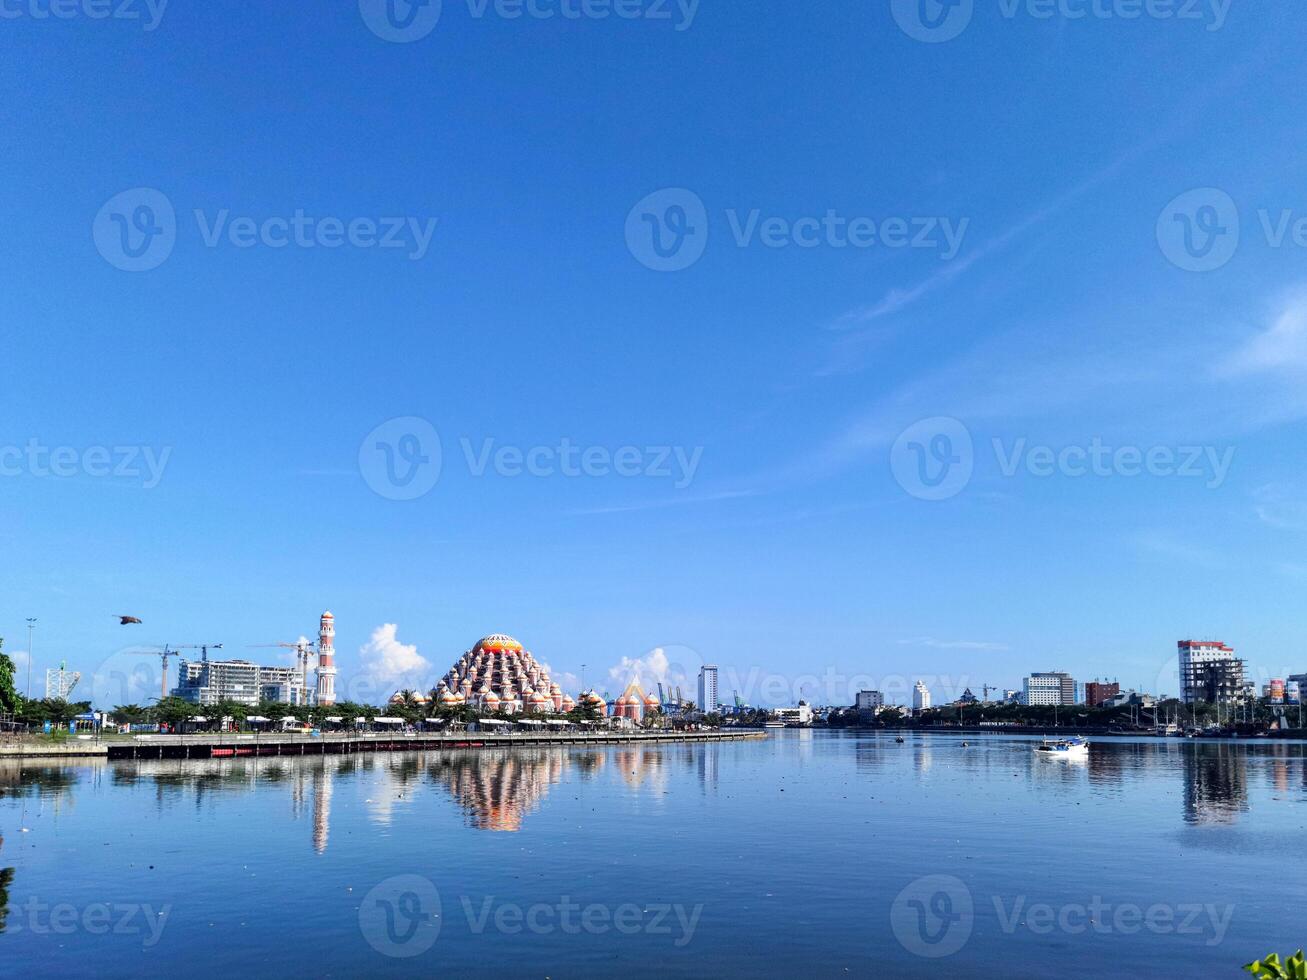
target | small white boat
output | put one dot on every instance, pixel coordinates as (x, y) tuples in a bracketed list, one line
[(1063, 748)]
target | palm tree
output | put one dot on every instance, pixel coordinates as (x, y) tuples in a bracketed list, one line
[(129, 714)]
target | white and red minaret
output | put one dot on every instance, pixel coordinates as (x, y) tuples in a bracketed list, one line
[(327, 660)]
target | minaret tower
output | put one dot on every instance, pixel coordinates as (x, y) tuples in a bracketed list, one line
[(327, 660)]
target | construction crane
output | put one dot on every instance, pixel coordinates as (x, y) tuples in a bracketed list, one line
[(170, 650), (302, 647), (985, 689)]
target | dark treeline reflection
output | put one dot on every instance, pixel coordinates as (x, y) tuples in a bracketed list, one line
[(1216, 775)]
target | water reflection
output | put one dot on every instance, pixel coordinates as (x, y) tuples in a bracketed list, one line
[(6, 879), (1215, 783)]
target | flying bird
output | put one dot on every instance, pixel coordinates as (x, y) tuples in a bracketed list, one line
[(129, 619)]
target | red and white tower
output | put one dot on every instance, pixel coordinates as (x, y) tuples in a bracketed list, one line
[(327, 660)]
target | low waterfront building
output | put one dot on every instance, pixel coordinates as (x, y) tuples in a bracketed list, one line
[(870, 701), (801, 715), (1096, 692)]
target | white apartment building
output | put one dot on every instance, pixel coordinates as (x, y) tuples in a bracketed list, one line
[(920, 697), (1049, 688), (708, 688)]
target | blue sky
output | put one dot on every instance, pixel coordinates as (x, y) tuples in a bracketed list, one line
[(1056, 149)]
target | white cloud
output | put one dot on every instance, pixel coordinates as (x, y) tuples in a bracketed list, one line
[(1280, 507), (385, 659), (648, 671), (1280, 347), (566, 680)]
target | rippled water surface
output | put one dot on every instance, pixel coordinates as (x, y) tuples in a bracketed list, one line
[(810, 853)]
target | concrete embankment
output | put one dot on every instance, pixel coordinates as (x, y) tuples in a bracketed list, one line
[(22, 749), (228, 745)]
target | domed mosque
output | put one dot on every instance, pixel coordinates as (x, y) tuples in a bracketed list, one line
[(499, 674)]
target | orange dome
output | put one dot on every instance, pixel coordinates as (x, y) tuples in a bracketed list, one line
[(497, 643)]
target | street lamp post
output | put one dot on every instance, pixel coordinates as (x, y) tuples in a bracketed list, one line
[(31, 625)]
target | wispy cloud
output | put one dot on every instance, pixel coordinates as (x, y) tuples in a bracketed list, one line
[(678, 501), (1281, 347), (1279, 506), (1164, 544), (934, 644)]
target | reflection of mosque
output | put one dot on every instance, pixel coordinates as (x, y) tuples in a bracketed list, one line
[(497, 788), (1215, 783)]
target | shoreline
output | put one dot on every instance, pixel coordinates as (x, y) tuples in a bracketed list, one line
[(227, 746)]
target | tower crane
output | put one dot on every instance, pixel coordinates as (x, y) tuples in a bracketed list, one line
[(170, 650), (985, 689), (302, 647)]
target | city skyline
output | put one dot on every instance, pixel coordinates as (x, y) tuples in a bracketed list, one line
[(761, 391)]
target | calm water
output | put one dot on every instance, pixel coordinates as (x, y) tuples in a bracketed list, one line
[(811, 853)]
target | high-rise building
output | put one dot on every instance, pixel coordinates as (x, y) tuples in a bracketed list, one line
[(1048, 688), (326, 693), (1209, 672), (708, 687), (920, 697), (1096, 692), (211, 681)]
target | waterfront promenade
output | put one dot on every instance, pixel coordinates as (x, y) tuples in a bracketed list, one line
[(229, 745)]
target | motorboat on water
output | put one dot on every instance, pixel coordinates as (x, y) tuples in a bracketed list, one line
[(1063, 748)]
